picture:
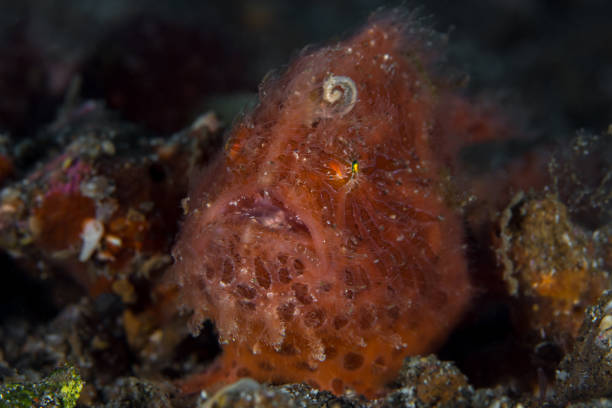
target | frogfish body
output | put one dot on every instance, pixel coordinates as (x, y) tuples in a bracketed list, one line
[(319, 242)]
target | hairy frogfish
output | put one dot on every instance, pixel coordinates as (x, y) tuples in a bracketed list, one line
[(321, 241)]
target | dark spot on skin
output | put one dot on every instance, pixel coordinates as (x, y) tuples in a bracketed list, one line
[(210, 272), (393, 312), (249, 306), (228, 272), (201, 283), (264, 365), (243, 372), (298, 266), (314, 318), (246, 292), (304, 366), (330, 352), (352, 361), (340, 322), (288, 349), (284, 276), (285, 311), (262, 274), (325, 286), (301, 293), (366, 318), (379, 365)]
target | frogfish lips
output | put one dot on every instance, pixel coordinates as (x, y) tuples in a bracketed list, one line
[(267, 211)]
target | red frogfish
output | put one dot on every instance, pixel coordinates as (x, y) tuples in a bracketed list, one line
[(320, 242)]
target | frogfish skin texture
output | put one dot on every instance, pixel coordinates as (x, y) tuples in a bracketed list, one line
[(319, 241)]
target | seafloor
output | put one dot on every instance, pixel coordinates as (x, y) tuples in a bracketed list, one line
[(108, 110)]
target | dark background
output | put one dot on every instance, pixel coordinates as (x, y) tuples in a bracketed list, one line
[(160, 63)]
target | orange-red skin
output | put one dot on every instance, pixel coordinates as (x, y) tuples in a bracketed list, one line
[(319, 242)]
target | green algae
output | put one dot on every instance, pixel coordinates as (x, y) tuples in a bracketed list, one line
[(61, 389)]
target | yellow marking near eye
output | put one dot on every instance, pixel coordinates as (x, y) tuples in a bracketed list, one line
[(343, 174)]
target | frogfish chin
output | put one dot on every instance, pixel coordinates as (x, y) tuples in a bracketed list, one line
[(320, 242)]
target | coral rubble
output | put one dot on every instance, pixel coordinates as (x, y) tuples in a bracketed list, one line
[(60, 390), (103, 207), (552, 266)]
